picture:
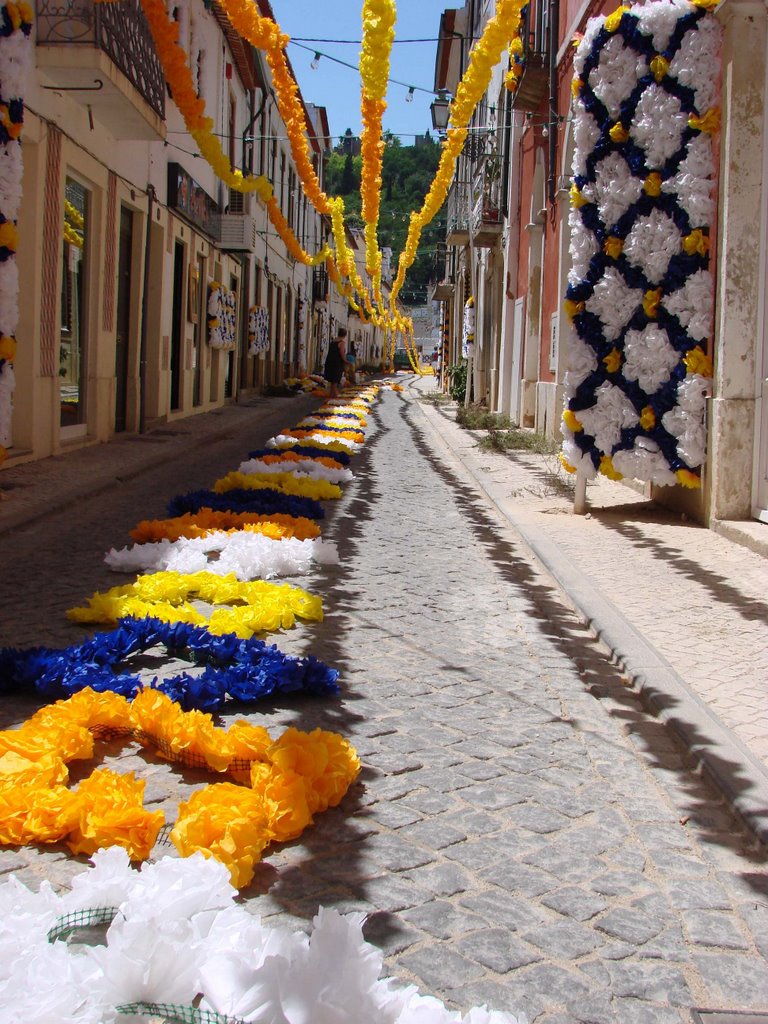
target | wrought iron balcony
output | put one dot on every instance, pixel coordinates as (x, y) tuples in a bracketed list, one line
[(487, 220), (457, 215), (103, 54), (533, 84)]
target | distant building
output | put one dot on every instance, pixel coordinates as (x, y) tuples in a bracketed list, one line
[(348, 143)]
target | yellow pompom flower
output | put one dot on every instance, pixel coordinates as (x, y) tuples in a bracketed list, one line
[(651, 301), (619, 133), (688, 479), (708, 122), (571, 421), (7, 347), (697, 361), (652, 184), (608, 469), (696, 242), (613, 20), (613, 247), (647, 418), (659, 67), (612, 360)]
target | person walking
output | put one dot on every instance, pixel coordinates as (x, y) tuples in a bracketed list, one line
[(335, 362)]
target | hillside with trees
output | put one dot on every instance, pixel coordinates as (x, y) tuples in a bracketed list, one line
[(407, 174)]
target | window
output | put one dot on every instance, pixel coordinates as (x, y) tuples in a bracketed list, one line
[(74, 318)]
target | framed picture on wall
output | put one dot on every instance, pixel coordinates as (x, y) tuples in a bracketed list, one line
[(193, 295)]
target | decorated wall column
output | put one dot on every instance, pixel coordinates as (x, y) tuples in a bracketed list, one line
[(741, 278)]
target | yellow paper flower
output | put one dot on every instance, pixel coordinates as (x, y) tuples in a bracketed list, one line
[(608, 469), (647, 418), (111, 814), (198, 524), (619, 133), (283, 483), (577, 197), (709, 122), (7, 347), (688, 479), (659, 67), (612, 360), (652, 184), (697, 361), (613, 247), (224, 821), (696, 242), (573, 308), (651, 301), (571, 421), (613, 20), (566, 465)]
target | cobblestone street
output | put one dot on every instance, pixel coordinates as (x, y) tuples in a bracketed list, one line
[(524, 833)]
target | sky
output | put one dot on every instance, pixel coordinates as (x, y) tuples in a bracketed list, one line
[(336, 87)]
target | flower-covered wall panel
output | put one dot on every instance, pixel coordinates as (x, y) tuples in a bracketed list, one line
[(222, 317), (640, 292)]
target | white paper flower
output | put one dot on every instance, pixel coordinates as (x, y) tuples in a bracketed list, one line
[(586, 132), (616, 74), (693, 184), (611, 413), (693, 304), (307, 467), (615, 189), (649, 358), (658, 125), (575, 457), (693, 63), (659, 20), (614, 302), (582, 360), (652, 243), (644, 461), (583, 246)]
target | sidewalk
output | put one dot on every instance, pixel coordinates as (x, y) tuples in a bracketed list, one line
[(30, 490), (681, 608)]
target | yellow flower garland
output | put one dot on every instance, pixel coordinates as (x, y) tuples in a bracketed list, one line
[(497, 35), (199, 524), (378, 35), (287, 780), (261, 607), (285, 483)]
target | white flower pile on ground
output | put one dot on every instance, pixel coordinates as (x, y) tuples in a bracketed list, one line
[(250, 556), (179, 938), (306, 467)]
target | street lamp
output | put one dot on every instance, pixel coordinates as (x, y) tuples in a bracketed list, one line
[(441, 110)]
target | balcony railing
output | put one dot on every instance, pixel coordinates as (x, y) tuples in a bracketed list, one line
[(118, 30), (457, 216), (533, 84), (487, 208)]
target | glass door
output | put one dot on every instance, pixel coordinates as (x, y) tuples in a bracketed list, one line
[(74, 319)]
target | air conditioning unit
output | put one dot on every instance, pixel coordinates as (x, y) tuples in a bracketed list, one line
[(234, 231)]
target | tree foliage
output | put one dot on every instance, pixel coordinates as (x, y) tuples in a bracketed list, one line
[(407, 173)]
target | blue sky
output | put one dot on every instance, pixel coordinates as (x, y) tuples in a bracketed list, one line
[(336, 87)]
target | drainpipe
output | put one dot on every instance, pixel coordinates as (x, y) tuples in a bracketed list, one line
[(553, 30), (145, 316)]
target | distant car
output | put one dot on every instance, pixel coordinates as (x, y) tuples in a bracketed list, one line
[(401, 360)]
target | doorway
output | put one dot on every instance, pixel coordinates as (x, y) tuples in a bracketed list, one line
[(123, 326), (176, 327)]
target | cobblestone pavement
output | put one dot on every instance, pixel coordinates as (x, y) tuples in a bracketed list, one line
[(524, 833)]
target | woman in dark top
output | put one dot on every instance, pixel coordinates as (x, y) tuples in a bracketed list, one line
[(335, 362)]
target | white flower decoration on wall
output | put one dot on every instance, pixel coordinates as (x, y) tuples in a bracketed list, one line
[(640, 292)]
